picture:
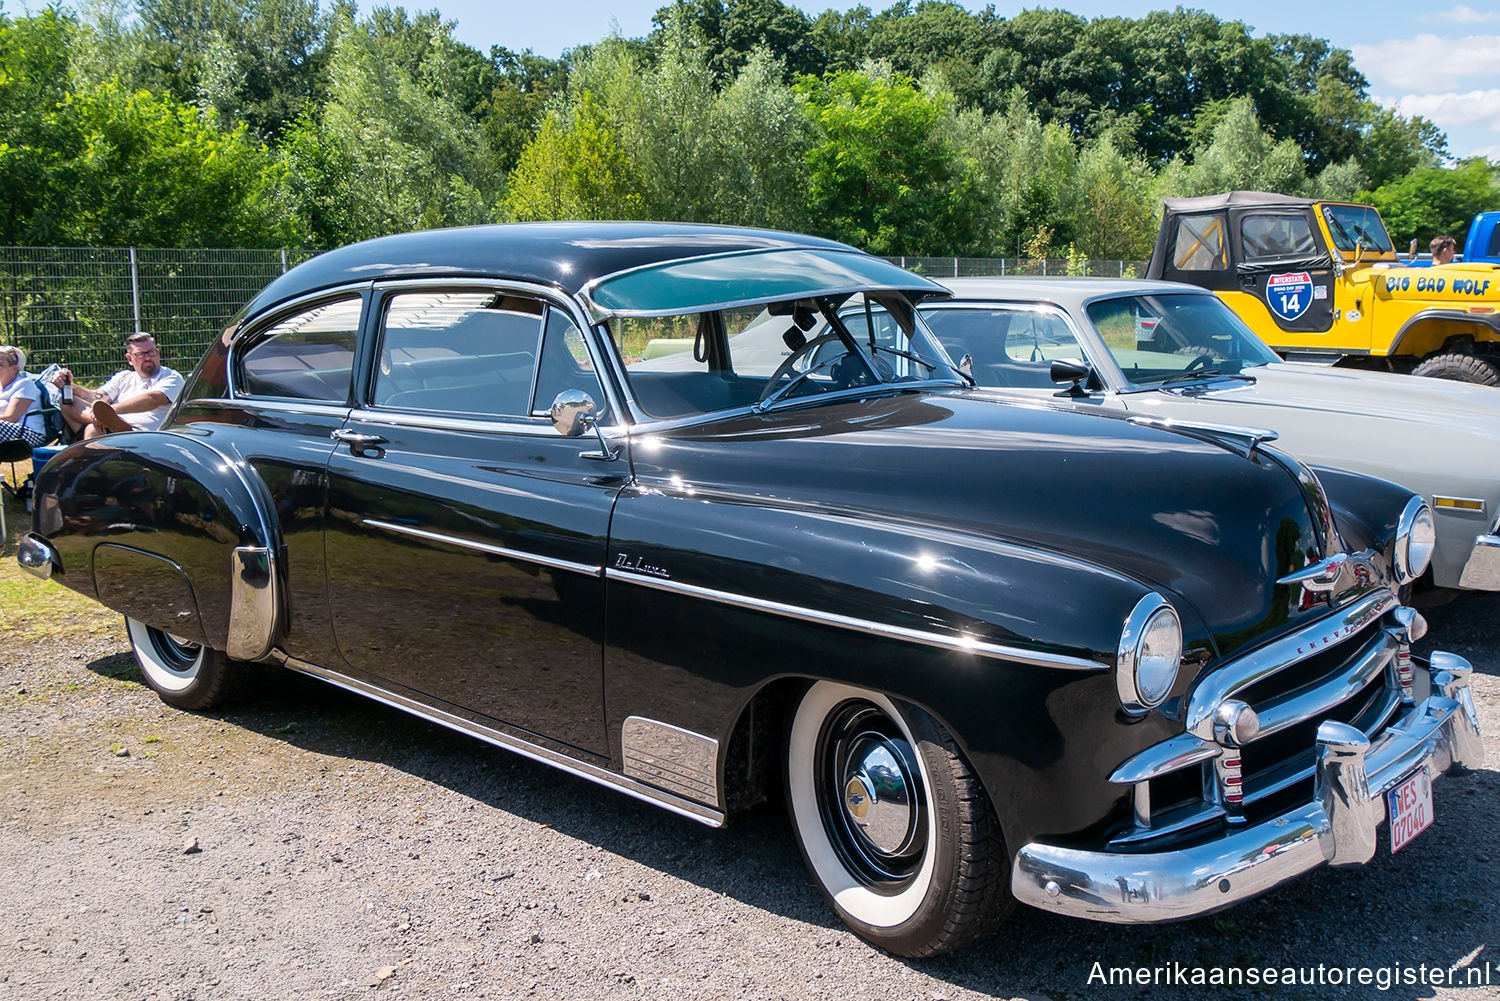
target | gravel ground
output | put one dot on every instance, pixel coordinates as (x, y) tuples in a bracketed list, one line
[(312, 844)]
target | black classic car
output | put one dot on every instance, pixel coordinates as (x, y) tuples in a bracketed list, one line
[(516, 480)]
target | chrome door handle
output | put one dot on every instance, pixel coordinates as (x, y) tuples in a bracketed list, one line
[(356, 440)]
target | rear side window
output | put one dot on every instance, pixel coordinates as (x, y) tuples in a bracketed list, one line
[(1266, 237), (460, 352), (307, 356), (1200, 244)]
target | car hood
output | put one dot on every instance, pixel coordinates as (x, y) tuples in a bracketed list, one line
[(1431, 435), (1187, 516)]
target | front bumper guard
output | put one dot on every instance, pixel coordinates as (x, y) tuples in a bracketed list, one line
[(1337, 828)]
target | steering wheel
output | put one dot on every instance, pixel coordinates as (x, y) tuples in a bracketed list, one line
[(1201, 361), (790, 363)]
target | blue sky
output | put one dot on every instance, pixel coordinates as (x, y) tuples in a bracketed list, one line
[(1441, 62)]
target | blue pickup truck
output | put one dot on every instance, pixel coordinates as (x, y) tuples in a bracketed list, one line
[(1483, 242), (1481, 246)]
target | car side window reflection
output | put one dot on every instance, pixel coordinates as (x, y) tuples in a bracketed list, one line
[(565, 363), (307, 356), (460, 352)]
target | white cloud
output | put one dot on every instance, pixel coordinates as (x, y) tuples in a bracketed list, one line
[(1464, 14), (1475, 107), (1428, 61)]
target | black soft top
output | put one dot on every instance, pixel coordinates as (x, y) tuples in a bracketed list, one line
[(564, 255), (1236, 199)]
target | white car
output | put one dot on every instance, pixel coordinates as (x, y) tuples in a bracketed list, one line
[(1172, 352)]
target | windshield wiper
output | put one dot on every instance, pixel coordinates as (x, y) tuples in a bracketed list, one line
[(1205, 373)]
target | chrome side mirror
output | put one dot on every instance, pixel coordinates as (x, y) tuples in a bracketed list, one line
[(966, 365), (573, 413)]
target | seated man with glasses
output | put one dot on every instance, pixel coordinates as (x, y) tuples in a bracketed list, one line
[(135, 399)]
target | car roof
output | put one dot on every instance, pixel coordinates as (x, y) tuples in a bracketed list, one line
[(1070, 293), (564, 255), (1235, 199)]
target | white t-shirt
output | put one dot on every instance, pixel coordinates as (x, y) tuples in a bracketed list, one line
[(23, 387), (129, 383)]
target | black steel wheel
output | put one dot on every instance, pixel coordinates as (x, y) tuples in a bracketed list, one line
[(182, 673), (892, 822)]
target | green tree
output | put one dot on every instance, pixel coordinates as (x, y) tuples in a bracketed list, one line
[(146, 170), (1241, 155), (1431, 201), (391, 151), (1117, 210), (574, 169), (882, 174)]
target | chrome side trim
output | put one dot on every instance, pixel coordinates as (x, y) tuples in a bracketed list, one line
[(252, 608), (1280, 654), (962, 644), (36, 556), (535, 427), (277, 405), (594, 773), (484, 547), (672, 758)]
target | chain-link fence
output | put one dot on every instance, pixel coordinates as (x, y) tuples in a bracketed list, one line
[(938, 268), (76, 305)]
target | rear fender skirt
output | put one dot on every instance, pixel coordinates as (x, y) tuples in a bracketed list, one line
[(135, 511)]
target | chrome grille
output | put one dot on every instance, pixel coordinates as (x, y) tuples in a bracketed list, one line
[(1339, 668)]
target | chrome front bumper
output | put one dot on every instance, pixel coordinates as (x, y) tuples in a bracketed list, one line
[(1482, 570), (1337, 828)]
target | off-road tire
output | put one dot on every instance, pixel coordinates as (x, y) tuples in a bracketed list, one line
[(1459, 368)]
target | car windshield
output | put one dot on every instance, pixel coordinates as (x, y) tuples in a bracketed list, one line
[(760, 356), (1352, 225), (1176, 336)]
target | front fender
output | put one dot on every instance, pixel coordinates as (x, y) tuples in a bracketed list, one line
[(168, 530), (1366, 509)]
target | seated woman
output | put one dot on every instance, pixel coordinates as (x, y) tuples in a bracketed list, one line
[(20, 400)]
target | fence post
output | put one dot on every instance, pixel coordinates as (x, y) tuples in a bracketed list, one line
[(283, 260), (1044, 267), (955, 267), (1002, 267), (1122, 267), (135, 288)]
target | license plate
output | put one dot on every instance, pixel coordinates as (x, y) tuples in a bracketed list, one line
[(1410, 809)]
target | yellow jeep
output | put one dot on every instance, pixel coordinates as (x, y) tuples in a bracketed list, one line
[(1319, 280)]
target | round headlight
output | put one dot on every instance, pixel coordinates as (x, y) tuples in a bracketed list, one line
[(1150, 652), (1415, 538)]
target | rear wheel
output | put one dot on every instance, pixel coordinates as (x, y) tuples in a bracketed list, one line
[(893, 823), (183, 673), (1459, 368)]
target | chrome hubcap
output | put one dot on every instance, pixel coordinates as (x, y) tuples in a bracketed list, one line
[(872, 798), (877, 795)]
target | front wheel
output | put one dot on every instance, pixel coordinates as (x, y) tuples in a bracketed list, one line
[(1459, 368), (184, 674), (893, 823)]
